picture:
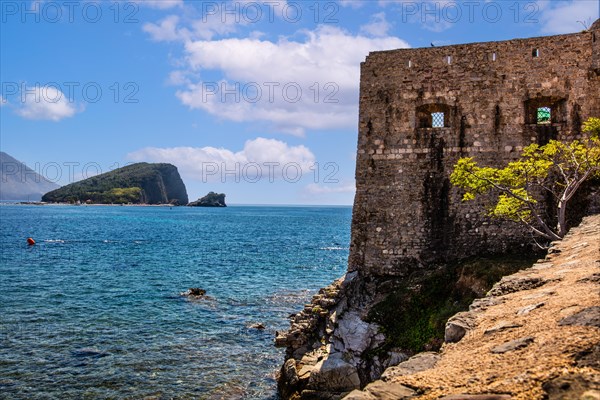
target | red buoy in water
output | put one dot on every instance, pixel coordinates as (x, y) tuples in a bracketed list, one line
[(30, 241)]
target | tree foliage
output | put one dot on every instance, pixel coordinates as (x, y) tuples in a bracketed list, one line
[(557, 168)]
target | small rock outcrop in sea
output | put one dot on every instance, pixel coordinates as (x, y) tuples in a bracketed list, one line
[(212, 199), (257, 326), (195, 293)]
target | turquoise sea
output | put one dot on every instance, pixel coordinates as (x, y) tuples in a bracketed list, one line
[(94, 311)]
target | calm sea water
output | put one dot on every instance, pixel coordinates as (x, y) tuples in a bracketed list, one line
[(94, 310)]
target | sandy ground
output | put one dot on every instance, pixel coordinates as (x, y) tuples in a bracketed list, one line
[(572, 276)]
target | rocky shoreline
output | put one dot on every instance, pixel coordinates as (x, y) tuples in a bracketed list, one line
[(494, 349)]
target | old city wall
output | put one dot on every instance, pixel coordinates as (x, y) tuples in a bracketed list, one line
[(406, 212), (420, 111)]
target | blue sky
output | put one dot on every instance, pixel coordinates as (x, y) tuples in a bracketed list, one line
[(256, 99)]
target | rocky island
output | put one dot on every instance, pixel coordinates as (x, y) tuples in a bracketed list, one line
[(140, 183), (212, 199)]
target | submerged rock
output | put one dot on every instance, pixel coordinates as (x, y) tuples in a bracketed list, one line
[(90, 352), (196, 293)]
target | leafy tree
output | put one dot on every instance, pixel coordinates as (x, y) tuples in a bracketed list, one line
[(557, 168)]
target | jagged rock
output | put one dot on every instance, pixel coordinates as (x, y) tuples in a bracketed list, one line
[(485, 302), (571, 386), (258, 326), (417, 363), (395, 358), (501, 326), (195, 293), (281, 339), (289, 371), (512, 345), (587, 317), (212, 199), (334, 374), (527, 309), (380, 390), (589, 357), (477, 397), (595, 278), (458, 326), (354, 333), (511, 284), (305, 371)]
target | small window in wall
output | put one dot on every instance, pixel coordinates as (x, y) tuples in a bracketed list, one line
[(535, 53), (449, 60), (494, 57), (437, 120), (434, 115), (544, 115), (409, 64)]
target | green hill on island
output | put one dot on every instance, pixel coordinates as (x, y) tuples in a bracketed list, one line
[(140, 183)]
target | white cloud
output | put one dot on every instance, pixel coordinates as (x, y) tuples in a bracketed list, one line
[(268, 158), (165, 30), (214, 24), (215, 21), (565, 16), (293, 85), (354, 4), (178, 78), (377, 27), (45, 103), (159, 4)]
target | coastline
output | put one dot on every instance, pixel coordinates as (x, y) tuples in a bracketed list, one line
[(33, 203)]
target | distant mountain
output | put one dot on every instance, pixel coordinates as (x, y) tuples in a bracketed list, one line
[(140, 183), (19, 182)]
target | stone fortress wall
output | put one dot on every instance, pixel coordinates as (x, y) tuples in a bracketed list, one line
[(422, 109)]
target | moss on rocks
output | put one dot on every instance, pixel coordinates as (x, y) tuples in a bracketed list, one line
[(413, 316)]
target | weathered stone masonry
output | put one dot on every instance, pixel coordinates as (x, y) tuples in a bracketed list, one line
[(406, 213), (420, 111)]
